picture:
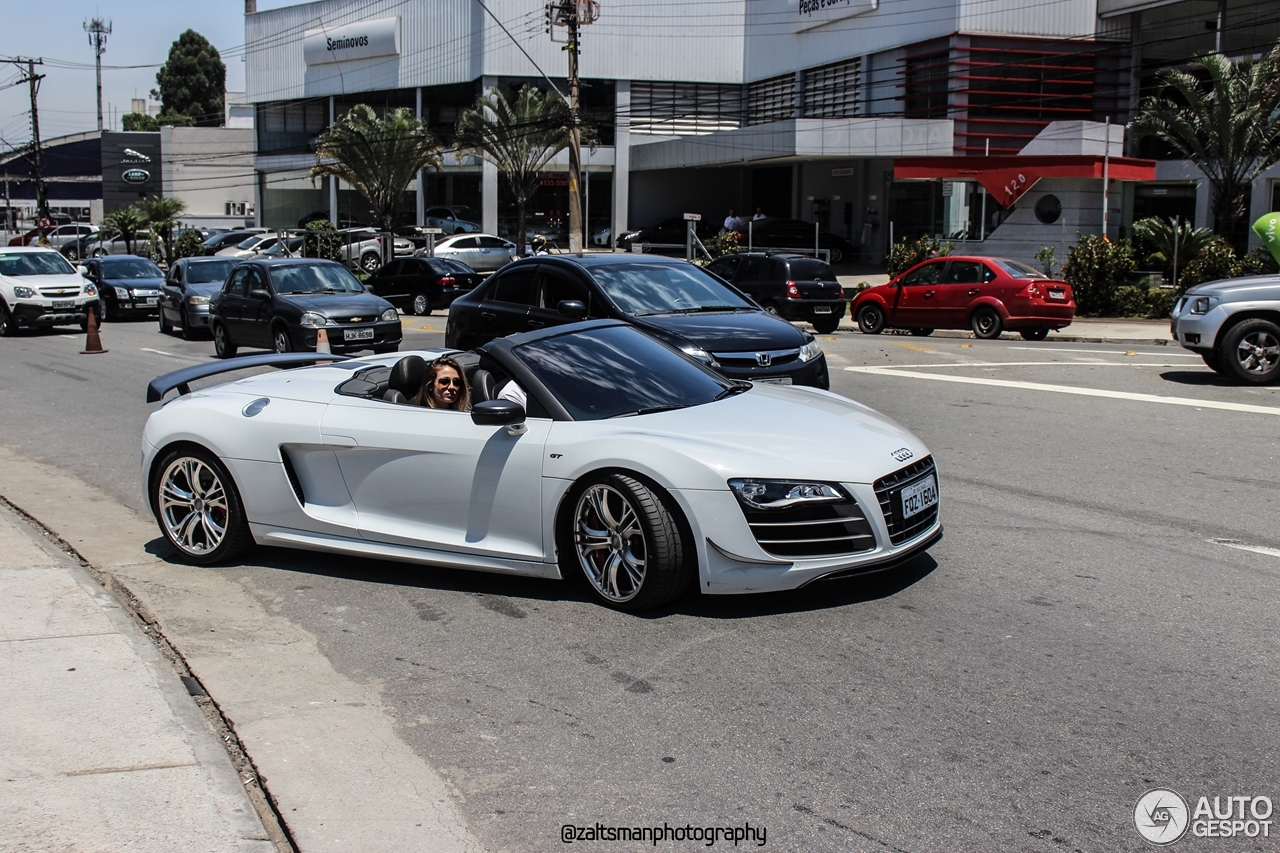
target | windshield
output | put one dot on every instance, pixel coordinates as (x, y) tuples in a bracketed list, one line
[(619, 370), (206, 271), (1017, 269), (130, 268), (250, 242), (811, 270), (642, 288), (34, 263), (314, 278)]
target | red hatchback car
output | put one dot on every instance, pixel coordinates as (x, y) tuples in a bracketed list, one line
[(987, 295)]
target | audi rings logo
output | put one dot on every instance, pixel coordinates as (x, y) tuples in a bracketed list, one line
[(764, 359), (902, 454), (1161, 816)]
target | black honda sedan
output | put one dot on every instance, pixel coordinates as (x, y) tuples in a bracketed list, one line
[(284, 303), (670, 299), (422, 285)]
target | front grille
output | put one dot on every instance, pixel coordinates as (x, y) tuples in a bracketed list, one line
[(817, 530), (888, 490), (750, 358), (59, 291)]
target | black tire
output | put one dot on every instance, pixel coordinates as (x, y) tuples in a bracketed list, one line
[(836, 256), (8, 328), (1250, 352), (223, 346), (1214, 361), (370, 262), (870, 319), (921, 331), (986, 323), (71, 253), (98, 253), (771, 308), (188, 333), (166, 328), (280, 340), (1039, 333), (421, 305), (642, 519), (198, 506), (826, 325), (104, 313)]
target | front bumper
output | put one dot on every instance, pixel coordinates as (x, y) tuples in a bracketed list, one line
[(811, 373), (197, 316), (1198, 332), (32, 314), (384, 335)]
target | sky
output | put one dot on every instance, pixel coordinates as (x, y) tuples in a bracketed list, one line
[(141, 35)]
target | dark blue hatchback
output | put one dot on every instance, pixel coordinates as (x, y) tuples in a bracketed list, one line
[(672, 300)]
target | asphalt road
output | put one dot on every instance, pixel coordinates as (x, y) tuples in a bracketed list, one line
[(1098, 621)]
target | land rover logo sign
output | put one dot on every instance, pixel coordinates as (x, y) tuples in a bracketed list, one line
[(136, 176)]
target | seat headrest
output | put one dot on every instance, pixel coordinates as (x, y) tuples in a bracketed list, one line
[(408, 374), (482, 386)]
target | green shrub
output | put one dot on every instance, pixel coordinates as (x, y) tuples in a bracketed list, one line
[(724, 243), (189, 243), (1142, 300), (321, 241), (905, 253), (1097, 269)]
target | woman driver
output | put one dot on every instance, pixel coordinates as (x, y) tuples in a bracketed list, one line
[(445, 386)]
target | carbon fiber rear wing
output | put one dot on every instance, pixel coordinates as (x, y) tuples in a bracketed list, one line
[(182, 379)]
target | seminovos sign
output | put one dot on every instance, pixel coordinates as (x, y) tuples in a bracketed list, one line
[(363, 40)]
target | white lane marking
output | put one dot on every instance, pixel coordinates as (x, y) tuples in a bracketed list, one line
[(1257, 549), (159, 352), (1067, 389), (1041, 364), (1106, 351)]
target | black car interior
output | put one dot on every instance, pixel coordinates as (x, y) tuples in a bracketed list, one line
[(400, 382)]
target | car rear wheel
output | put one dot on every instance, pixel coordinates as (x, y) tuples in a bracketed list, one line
[(771, 308), (921, 331), (421, 305), (836, 256), (826, 326), (622, 537), (1250, 352), (223, 346), (870, 320), (198, 507), (1039, 333), (280, 340), (986, 323), (370, 262), (71, 253)]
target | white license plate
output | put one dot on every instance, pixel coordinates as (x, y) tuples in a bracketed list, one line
[(918, 497), (822, 309), (357, 334), (1057, 294), (62, 306), (775, 380)]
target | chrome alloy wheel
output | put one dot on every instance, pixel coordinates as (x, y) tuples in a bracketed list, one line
[(1258, 352), (193, 505), (610, 543)]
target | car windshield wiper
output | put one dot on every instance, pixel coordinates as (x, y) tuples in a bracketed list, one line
[(702, 308), (652, 410), (733, 390)]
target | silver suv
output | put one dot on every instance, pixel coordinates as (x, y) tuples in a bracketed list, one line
[(362, 248), (1234, 325)]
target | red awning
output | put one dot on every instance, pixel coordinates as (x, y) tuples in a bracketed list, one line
[(1007, 178)]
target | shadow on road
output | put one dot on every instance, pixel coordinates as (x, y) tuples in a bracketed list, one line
[(1203, 378)]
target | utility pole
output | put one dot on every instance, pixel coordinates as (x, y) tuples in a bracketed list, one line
[(37, 171), (573, 14), (98, 31)]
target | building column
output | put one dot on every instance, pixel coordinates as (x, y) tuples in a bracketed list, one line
[(621, 158), (333, 180), (420, 206), (489, 186)]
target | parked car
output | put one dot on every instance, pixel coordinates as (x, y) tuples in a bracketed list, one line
[(603, 237), (127, 285), (987, 295), (75, 249), (283, 248), (774, 233), (1234, 325), (670, 233), (362, 248), (282, 303), (187, 290), (794, 287), (481, 252), (344, 221), (57, 237), (217, 242), (249, 246), (38, 288), (113, 244), (423, 285), (631, 466), (456, 219), (674, 300)]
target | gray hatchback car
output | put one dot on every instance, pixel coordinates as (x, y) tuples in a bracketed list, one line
[(1234, 325)]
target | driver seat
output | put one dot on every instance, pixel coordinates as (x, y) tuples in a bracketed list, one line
[(406, 379), (483, 386)]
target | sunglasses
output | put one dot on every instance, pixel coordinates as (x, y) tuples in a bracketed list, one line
[(446, 381)]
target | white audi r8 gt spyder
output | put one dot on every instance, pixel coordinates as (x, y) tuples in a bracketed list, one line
[(630, 464)]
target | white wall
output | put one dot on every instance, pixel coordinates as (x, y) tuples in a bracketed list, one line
[(207, 167)]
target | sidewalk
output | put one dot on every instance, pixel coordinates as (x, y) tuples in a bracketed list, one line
[(103, 748)]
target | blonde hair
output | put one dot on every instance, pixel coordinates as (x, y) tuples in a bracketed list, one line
[(426, 398)]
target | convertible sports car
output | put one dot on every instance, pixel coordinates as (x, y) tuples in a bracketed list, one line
[(634, 465)]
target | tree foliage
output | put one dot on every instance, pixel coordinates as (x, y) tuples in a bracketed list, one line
[(162, 215), (906, 253), (1097, 269), (321, 241), (519, 136), (377, 156), (144, 122), (189, 244), (193, 82), (1159, 241), (1218, 260), (1225, 117), (126, 221)]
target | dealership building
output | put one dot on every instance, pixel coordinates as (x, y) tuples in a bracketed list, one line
[(986, 122)]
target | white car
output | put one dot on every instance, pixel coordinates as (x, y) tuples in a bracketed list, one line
[(481, 252), (39, 287), (633, 465), (458, 219), (250, 246)]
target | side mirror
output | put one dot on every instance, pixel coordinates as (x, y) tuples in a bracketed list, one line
[(572, 308), (259, 293), (82, 269), (499, 413)]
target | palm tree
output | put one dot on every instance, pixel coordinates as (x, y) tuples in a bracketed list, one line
[(162, 215), (127, 221), (519, 136), (1225, 117), (377, 156), (1170, 241)]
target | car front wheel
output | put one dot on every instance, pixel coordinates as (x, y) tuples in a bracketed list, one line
[(280, 340), (166, 328), (826, 326), (370, 262), (986, 324), (104, 313), (1214, 362), (198, 507), (1250, 352), (922, 331), (7, 327), (870, 320), (622, 537), (223, 346)]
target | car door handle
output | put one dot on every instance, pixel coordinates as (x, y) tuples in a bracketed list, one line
[(973, 291), (487, 315)]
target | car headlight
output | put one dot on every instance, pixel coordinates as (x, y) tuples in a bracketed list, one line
[(22, 292), (699, 354), (780, 494), (1203, 304), (121, 292), (90, 290), (312, 320), (390, 315), (193, 299), (810, 351)]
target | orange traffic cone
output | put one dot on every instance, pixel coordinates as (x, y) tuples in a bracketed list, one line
[(92, 343), (322, 344)]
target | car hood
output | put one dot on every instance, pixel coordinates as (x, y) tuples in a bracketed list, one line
[(340, 303), (202, 288), (1239, 289), (726, 331), (64, 281), (143, 283)]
